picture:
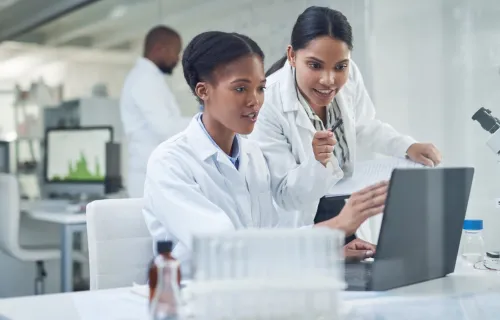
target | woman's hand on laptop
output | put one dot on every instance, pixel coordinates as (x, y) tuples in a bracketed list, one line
[(361, 205), (358, 250)]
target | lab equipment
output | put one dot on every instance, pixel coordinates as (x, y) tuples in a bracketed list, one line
[(165, 299), (85, 112), (423, 206), (472, 242), (491, 124), (4, 157), (81, 113), (76, 158), (266, 274)]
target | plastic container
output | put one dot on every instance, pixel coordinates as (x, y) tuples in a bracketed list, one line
[(472, 242), (164, 284), (266, 274)]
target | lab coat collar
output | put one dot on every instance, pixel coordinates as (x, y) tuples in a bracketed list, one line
[(147, 64), (234, 157), (289, 95), (288, 89), (205, 148)]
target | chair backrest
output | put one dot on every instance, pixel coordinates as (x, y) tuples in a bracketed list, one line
[(9, 214), (120, 245)]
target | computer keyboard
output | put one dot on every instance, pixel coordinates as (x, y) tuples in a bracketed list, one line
[(357, 275)]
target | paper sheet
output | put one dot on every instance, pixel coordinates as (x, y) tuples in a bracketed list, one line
[(467, 307), (140, 290), (370, 172), (111, 305)]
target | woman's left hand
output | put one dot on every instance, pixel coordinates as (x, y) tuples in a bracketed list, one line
[(358, 249), (424, 153)]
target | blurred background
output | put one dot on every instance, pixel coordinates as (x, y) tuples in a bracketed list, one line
[(428, 65)]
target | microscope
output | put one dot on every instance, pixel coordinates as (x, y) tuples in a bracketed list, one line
[(490, 124)]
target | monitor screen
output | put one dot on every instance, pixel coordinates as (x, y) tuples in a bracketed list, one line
[(76, 155)]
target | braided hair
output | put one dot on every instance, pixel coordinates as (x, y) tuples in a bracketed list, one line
[(211, 49)]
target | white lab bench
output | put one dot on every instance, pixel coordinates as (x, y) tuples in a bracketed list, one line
[(125, 303), (57, 211)]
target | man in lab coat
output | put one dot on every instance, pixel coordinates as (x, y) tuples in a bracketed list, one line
[(149, 111)]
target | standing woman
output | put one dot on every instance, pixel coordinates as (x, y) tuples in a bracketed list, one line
[(314, 88)]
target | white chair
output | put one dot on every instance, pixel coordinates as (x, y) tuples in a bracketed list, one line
[(9, 232), (120, 245)]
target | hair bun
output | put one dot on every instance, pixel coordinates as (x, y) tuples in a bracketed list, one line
[(209, 50), (193, 77)]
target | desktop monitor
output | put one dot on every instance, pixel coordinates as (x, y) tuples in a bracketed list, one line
[(76, 155), (4, 157)]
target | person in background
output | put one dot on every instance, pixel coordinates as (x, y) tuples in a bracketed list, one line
[(208, 178), (315, 88), (149, 111)]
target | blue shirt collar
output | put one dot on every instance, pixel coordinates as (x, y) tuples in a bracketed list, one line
[(235, 150)]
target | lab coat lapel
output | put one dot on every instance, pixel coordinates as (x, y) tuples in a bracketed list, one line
[(236, 183), (295, 111), (245, 200), (303, 122), (346, 108)]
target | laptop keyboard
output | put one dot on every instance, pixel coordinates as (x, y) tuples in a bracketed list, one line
[(357, 275)]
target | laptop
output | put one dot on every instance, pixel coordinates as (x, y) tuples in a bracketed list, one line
[(421, 229)]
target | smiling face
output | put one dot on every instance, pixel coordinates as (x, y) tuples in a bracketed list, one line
[(235, 93), (322, 68)]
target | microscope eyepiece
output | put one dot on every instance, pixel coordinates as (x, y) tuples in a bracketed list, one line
[(486, 120)]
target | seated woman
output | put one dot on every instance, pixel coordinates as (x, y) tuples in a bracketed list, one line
[(208, 178)]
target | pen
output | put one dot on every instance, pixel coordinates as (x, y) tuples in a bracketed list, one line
[(336, 125)]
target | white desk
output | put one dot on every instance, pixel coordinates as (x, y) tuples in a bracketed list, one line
[(120, 302), (56, 211), (64, 306)]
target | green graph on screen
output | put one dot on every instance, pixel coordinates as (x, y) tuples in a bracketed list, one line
[(79, 171)]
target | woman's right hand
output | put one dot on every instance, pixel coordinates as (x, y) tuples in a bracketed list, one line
[(360, 206), (323, 143)]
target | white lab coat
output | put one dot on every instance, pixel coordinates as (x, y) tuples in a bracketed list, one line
[(150, 115), (193, 188), (284, 133)]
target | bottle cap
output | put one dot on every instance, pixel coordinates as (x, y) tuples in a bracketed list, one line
[(164, 247), (473, 225)]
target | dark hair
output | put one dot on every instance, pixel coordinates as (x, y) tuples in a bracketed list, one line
[(209, 50), (159, 34), (316, 22)]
